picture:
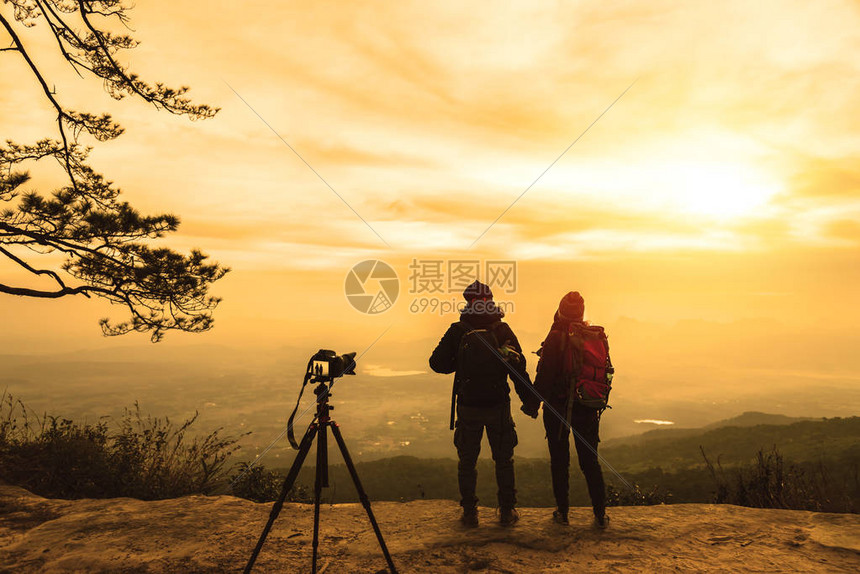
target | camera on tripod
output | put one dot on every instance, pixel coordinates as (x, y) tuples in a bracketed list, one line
[(325, 364), (323, 368)]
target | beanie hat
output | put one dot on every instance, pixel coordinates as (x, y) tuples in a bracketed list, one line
[(572, 307), (477, 290)]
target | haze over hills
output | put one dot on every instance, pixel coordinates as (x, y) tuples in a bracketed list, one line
[(754, 418), (670, 432), (691, 374)]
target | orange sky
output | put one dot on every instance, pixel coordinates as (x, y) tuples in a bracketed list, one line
[(724, 185)]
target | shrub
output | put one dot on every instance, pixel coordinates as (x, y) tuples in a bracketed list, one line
[(770, 482), (261, 485), (143, 457)]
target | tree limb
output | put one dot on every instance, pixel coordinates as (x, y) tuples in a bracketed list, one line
[(24, 292), (56, 32), (59, 244), (26, 266), (61, 114), (103, 238)]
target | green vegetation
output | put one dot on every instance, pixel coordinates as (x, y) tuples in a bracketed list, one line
[(771, 482), (136, 456), (800, 442), (666, 467), (261, 485), (814, 468)]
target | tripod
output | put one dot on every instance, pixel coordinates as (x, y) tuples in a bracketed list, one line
[(318, 429)]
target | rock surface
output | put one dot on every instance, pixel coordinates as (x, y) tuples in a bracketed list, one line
[(217, 534)]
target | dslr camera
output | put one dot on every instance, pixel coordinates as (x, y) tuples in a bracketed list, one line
[(325, 364)]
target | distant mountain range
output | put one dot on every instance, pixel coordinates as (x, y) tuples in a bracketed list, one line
[(736, 441), (754, 418), (669, 458), (747, 419)]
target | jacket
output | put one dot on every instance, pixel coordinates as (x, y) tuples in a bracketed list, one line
[(444, 357)]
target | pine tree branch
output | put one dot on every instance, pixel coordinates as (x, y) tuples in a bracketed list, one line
[(59, 244), (103, 238), (57, 30), (52, 274), (61, 114), (97, 34), (62, 22), (84, 290)]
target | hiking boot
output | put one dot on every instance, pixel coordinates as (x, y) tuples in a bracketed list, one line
[(559, 517), (601, 521), (470, 517), (507, 516)]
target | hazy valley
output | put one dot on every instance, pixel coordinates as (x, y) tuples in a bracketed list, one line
[(690, 374)]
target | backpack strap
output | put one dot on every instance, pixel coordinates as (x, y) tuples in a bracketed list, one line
[(453, 405)]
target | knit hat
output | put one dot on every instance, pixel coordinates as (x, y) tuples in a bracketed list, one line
[(571, 307), (477, 290)]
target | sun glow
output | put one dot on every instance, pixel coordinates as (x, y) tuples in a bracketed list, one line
[(668, 182), (718, 190), (713, 190)]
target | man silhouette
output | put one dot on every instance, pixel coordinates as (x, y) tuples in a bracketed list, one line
[(483, 351)]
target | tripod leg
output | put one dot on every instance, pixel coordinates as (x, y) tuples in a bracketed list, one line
[(321, 478), (304, 447), (362, 495)]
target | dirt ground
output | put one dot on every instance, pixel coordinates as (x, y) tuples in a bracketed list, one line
[(217, 534)]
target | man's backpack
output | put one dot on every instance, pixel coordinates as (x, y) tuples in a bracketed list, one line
[(587, 366), (481, 366)]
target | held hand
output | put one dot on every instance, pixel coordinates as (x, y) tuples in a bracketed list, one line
[(511, 355)]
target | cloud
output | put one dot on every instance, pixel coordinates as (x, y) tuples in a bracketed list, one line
[(845, 229), (430, 121), (609, 243), (827, 177)]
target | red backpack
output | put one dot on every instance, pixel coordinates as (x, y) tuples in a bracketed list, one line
[(587, 365)]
